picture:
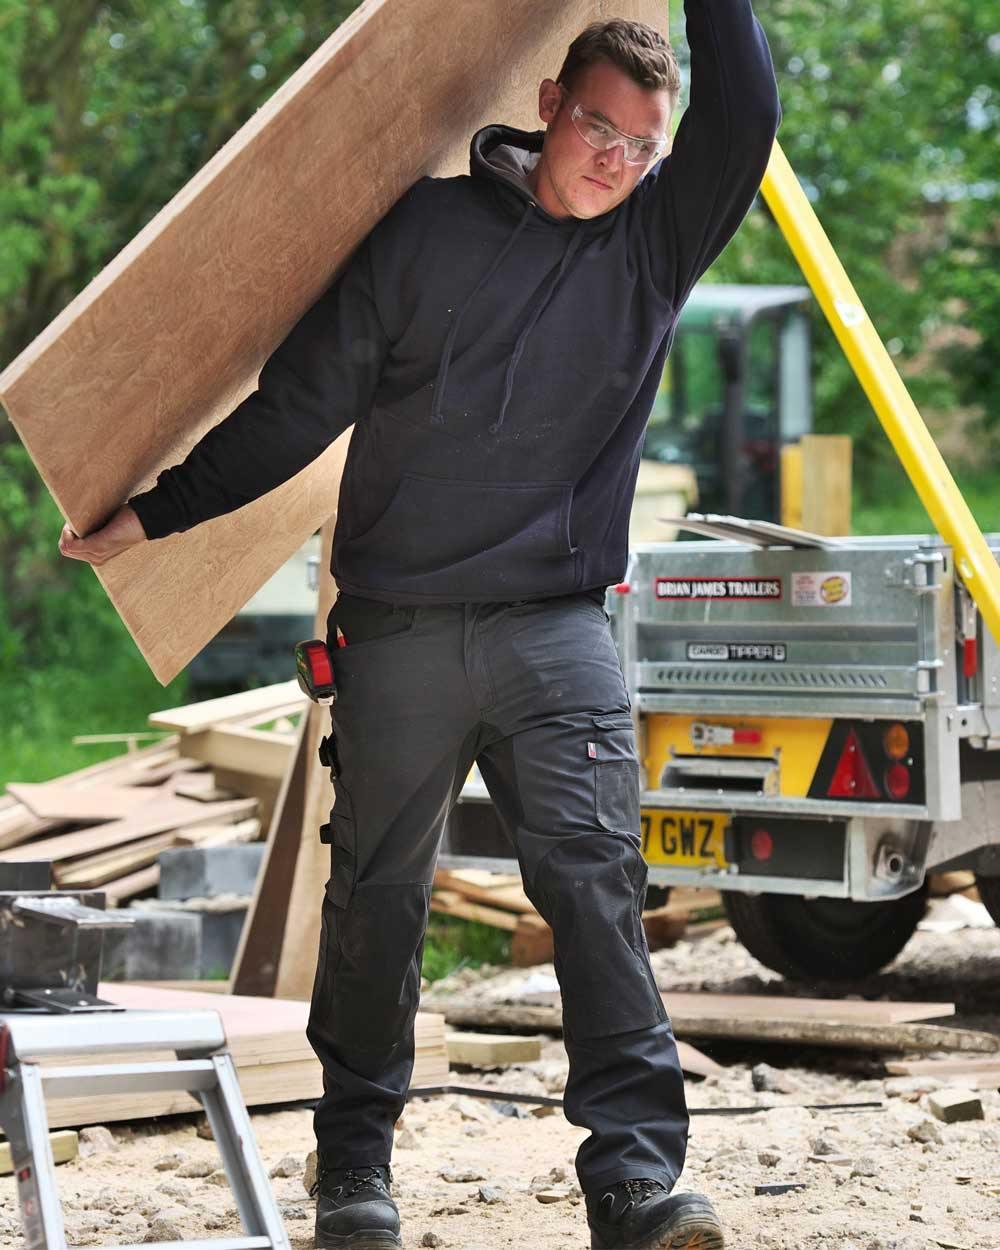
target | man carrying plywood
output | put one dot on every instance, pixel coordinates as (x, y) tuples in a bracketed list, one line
[(498, 340)]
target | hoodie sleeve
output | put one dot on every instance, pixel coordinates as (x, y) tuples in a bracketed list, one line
[(316, 383), (702, 190)]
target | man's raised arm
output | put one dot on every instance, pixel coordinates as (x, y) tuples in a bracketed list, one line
[(702, 190)]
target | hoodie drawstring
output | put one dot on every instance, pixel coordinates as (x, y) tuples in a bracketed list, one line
[(518, 352), (437, 416)]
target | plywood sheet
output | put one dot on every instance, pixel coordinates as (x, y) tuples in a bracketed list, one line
[(172, 334)]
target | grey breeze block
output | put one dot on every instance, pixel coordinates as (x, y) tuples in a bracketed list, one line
[(207, 872)]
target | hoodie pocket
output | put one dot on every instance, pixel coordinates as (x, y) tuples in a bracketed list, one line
[(482, 540)]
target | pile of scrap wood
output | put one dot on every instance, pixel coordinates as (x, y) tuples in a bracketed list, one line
[(499, 900), (209, 782)]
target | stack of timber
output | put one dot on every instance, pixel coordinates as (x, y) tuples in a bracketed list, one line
[(499, 900), (211, 781), (267, 1039)]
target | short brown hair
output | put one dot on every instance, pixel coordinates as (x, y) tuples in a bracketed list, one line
[(635, 48)]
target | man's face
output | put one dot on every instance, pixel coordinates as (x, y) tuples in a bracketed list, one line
[(573, 179)]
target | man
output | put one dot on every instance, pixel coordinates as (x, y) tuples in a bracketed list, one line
[(498, 340)]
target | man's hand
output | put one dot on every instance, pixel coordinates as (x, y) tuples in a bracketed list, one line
[(124, 530)]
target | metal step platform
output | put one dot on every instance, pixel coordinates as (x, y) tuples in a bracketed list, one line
[(203, 1067)]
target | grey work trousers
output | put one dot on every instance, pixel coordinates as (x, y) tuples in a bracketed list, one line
[(534, 692)]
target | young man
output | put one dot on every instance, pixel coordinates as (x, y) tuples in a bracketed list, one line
[(498, 340)]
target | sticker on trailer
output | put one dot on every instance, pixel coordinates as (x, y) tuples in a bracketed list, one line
[(821, 590), (746, 652), (689, 589)]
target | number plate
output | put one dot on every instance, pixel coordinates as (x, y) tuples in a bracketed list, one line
[(688, 839)]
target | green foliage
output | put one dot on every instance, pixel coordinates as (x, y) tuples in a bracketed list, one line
[(890, 120), (452, 943)]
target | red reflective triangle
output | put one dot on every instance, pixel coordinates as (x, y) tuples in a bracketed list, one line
[(852, 778)]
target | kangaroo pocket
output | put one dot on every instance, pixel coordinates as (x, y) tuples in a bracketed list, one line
[(483, 540)]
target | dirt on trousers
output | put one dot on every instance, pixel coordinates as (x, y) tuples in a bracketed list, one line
[(479, 1174)]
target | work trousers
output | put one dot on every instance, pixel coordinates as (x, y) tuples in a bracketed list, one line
[(534, 692)]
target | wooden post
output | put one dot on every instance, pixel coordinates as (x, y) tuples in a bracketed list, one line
[(791, 485), (826, 483)]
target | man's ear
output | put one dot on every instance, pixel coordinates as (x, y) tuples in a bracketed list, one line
[(549, 99)]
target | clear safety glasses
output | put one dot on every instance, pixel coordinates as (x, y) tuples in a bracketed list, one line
[(602, 135)]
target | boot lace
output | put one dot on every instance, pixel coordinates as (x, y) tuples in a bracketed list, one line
[(370, 1178), (642, 1189)]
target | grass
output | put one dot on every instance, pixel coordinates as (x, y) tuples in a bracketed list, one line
[(452, 943), (890, 505)]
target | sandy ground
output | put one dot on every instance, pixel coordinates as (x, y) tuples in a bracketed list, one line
[(891, 1178)]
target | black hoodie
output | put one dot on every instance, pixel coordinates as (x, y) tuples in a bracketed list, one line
[(499, 364)]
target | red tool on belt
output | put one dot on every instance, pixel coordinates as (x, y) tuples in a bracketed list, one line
[(314, 671)]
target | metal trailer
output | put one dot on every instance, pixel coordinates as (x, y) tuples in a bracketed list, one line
[(818, 724)]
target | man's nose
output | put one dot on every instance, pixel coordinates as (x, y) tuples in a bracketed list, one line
[(611, 158)]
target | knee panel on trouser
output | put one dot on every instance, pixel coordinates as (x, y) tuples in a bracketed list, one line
[(368, 981), (590, 889)]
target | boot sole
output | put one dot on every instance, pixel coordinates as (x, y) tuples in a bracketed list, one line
[(696, 1227), (374, 1239)]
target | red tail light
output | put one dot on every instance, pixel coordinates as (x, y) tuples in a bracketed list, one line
[(970, 657), (897, 781), (852, 778), (761, 844)]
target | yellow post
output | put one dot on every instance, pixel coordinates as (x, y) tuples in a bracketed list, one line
[(884, 387), (791, 485)]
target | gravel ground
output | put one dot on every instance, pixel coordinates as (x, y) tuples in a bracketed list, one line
[(472, 1176)]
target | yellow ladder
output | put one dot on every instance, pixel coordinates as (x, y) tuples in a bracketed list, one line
[(886, 390)]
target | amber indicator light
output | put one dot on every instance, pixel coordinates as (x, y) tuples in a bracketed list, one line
[(896, 741)]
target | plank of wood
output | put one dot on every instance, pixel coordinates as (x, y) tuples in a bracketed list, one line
[(510, 897), (262, 753), (255, 966), (65, 1145), (128, 377), (695, 1062), (193, 717), (303, 909), (492, 1050), (710, 1006), (521, 1017), (95, 870), (965, 1065), (448, 903), (156, 817), (115, 892), (50, 801)]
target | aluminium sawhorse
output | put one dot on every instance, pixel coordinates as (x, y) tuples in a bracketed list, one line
[(203, 1067)]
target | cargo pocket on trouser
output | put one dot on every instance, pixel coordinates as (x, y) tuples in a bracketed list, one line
[(616, 774)]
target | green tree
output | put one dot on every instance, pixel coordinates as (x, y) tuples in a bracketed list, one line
[(890, 120)]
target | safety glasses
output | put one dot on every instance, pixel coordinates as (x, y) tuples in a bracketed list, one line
[(600, 134)]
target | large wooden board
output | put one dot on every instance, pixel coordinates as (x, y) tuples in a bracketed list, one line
[(172, 334), (267, 1040)]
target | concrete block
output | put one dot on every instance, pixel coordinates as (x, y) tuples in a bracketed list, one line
[(487, 1050), (160, 946), (205, 872), (219, 922), (952, 1105)]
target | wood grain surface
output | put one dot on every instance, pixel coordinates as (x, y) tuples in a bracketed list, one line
[(171, 335)]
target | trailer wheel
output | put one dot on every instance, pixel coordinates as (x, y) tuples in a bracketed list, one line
[(825, 939), (989, 892)]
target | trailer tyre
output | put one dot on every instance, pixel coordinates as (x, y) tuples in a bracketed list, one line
[(826, 939), (989, 892)]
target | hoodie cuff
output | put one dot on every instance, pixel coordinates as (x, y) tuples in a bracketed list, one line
[(154, 514)]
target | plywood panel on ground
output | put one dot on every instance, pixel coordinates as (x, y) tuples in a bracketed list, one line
[(172, 334)]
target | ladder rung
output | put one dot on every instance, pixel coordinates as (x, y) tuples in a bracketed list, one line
[(206, 1243), (132, 1078)]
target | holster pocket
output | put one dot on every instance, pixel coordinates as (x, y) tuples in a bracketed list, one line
[(616, 774), (343, 837)]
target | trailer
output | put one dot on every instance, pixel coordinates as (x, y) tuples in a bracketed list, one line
[(818, 725)]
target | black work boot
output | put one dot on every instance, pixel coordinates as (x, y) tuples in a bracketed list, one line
[(642, 1215), (355, 1210)]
